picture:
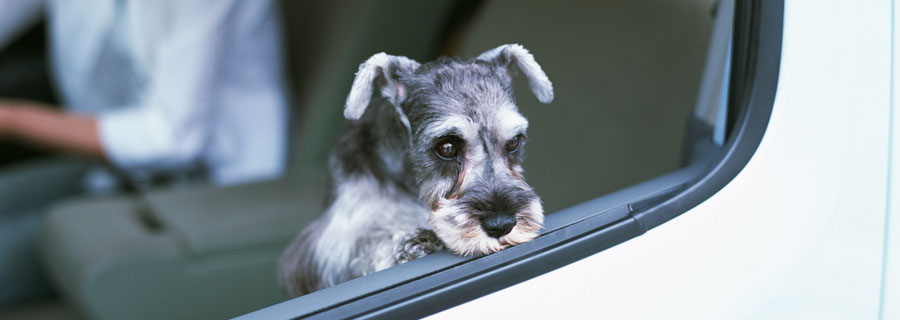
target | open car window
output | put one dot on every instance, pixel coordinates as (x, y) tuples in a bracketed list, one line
[(735, 99)]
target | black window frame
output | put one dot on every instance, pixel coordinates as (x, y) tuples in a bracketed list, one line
[(419, 288)]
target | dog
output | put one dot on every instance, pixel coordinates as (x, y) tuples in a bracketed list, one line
[(433, 161)]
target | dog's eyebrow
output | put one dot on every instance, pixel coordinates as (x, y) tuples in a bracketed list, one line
[(511, 122), (449, 125), (451, 132)]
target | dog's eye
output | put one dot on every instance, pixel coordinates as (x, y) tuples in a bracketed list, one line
[(446, 150), (513, 144)]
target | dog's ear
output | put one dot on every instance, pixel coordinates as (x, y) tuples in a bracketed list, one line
[(510, 54), (382, 68)]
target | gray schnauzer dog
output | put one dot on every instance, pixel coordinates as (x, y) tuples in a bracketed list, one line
[(432, 162)]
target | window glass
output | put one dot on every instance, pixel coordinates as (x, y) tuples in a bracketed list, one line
[(626, 76)]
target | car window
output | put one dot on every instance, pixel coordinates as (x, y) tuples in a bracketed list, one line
[(629, 144)]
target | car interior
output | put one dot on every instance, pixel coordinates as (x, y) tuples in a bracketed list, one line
[(639, 94)]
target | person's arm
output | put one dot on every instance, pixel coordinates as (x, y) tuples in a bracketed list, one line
[(167, 127), (56, 130)]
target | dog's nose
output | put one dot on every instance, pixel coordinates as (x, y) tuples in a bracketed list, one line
[(498, 225)]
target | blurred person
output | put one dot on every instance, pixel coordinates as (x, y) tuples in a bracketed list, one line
[(167, 89)]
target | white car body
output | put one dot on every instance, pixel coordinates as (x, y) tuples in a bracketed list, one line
[(809, 229)]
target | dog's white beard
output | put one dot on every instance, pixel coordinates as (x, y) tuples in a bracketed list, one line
[(462, 233)]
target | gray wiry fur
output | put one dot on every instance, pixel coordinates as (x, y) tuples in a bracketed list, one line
[(395, 198)]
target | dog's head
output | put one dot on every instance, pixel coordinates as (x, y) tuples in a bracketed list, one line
[(467, 141)]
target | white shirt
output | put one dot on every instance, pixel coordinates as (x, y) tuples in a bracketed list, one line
[(174, 84)]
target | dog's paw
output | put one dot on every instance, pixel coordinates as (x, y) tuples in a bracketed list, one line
[(417, 245)]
